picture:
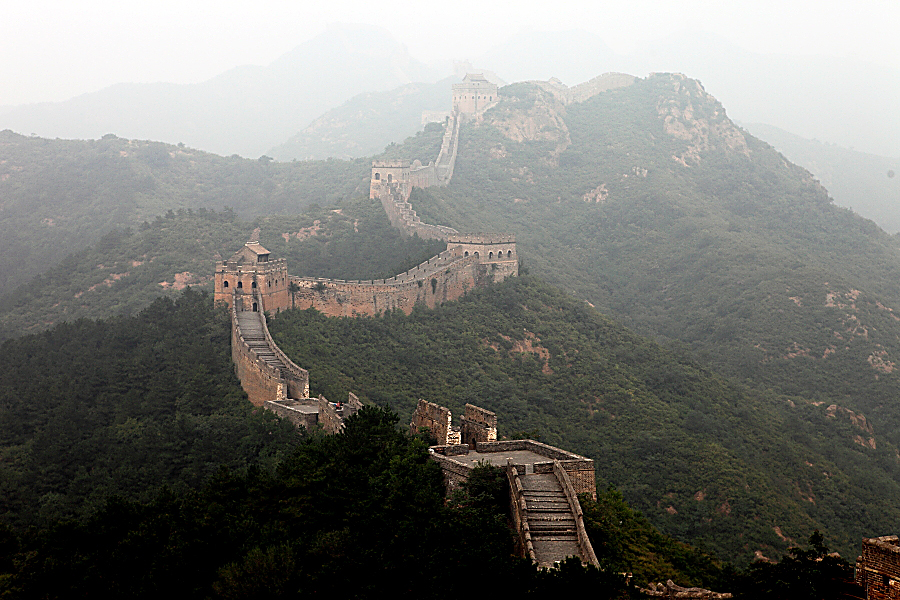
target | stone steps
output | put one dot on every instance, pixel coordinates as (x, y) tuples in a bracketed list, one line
[(550, 518), (254, 336)]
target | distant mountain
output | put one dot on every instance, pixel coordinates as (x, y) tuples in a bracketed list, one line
[(367, 123), (245, 110), (857, 180)]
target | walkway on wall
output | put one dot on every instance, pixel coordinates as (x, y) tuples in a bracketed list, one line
[(251, 329), (550, 518)]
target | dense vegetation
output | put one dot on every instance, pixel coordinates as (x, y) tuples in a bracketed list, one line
[(648, 202), (127, 269), (722, 465), (123, 406), (58, 196)]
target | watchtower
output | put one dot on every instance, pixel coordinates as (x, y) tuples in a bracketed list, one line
[(259, 284), (474, 95), (389, 175)]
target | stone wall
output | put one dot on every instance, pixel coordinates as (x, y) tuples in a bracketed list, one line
[(580, 469), (454, 473), (878, 569), (442, 278), (436, 419), (261, 381), (478, 425), (300, 413)]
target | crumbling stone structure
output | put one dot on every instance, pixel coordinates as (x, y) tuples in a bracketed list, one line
[(544, 482), (477, 425), (671, 590), (878, 568), (437, 420)]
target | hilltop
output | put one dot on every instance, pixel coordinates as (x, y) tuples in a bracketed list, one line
[(651, 204)]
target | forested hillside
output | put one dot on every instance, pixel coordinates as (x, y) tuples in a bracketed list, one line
[(123, 406), (127, 268), (707, 460), (59, 196), (649, 203)]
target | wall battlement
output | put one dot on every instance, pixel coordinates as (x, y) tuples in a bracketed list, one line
[(250, 283)]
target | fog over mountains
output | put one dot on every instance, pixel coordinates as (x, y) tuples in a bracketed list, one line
[(249, 110)]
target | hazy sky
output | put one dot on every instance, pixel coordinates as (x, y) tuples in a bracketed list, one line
[(55, 49)]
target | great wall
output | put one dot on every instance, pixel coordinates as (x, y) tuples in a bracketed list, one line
[(544, 482)]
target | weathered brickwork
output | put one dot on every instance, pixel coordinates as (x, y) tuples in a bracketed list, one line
[(250, 277), (878, 569), (437, 419), (259, 378), (478, 425)]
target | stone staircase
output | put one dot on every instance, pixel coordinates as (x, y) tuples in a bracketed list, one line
[(252, 331), (550, 519)]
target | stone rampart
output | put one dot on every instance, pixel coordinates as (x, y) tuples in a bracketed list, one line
[(579, 469), (478, 425), (445, 277), (436, 419), (878, 569), (302, 413), (261, 380)]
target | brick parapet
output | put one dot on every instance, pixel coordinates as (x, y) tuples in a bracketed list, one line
[(584, 543), (878, 569)]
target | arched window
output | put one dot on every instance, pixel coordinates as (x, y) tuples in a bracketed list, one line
[(253, 285), (467, 253), (270, 283), (490, 255), (390, 178), (476, 254), (509, 253), (226, 283), (377, 176), (240, 285), (255, 307)]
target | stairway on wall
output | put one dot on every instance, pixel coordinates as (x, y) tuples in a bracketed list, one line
[(252, 331), (550, 519)]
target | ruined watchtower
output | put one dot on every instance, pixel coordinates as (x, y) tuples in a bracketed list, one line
[(249, 270), (474, 95)]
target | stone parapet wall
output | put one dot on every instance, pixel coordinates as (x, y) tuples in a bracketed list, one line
[(878, 569), (444, 278), (435, 418), (478, 425), (454, 473), (258, 379)]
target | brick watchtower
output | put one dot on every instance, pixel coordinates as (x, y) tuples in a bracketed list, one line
[(251, 277)]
